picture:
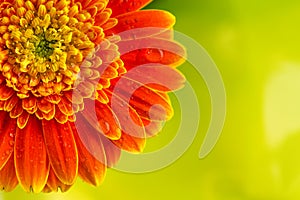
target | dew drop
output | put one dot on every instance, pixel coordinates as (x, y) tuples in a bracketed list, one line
[(65, 144), (122, 104), (11, 143), (154, 55), (66, 128), (105, 127)]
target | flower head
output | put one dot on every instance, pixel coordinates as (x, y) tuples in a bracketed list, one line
[(58, 60)]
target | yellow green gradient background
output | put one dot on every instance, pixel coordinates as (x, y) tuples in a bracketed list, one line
[(255, 44)]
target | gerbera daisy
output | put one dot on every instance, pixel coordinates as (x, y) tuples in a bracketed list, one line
[(58, 60)]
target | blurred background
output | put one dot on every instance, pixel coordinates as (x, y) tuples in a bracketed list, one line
[(255, 44)]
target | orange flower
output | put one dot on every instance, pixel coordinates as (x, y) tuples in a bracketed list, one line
[(59, 59)]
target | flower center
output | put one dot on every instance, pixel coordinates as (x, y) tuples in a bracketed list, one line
[(53, 55), (44, 49), (45, 46)]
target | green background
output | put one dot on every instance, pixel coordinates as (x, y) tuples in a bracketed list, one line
[(255, 44)]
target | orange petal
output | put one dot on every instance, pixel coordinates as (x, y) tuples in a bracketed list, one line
[(102, 118), (108, 121), (141, 19), (62, 150), (11, 103), (2, 105), (119, 6), (45, 106), (110, 23), (7, 137), (47, 189), (23, 119), (74, 97), (168, 34), (129, 119), (103, 17), (133, 133), (5, 92), (54, 183), (102, 97), (65, 106), (32, 165), (8, 180), (29, 103), (91, 155), (112, 152), (147, 102), (54, 99), (156, 76), (151, 50), (59, 116), (91, 3), (130, 143), (50, 115), (150, 104), (152, 128), (17, 110)]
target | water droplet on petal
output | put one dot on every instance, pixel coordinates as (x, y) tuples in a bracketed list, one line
[(105, 127), (11, 143), (66, 128), (154, 55)]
